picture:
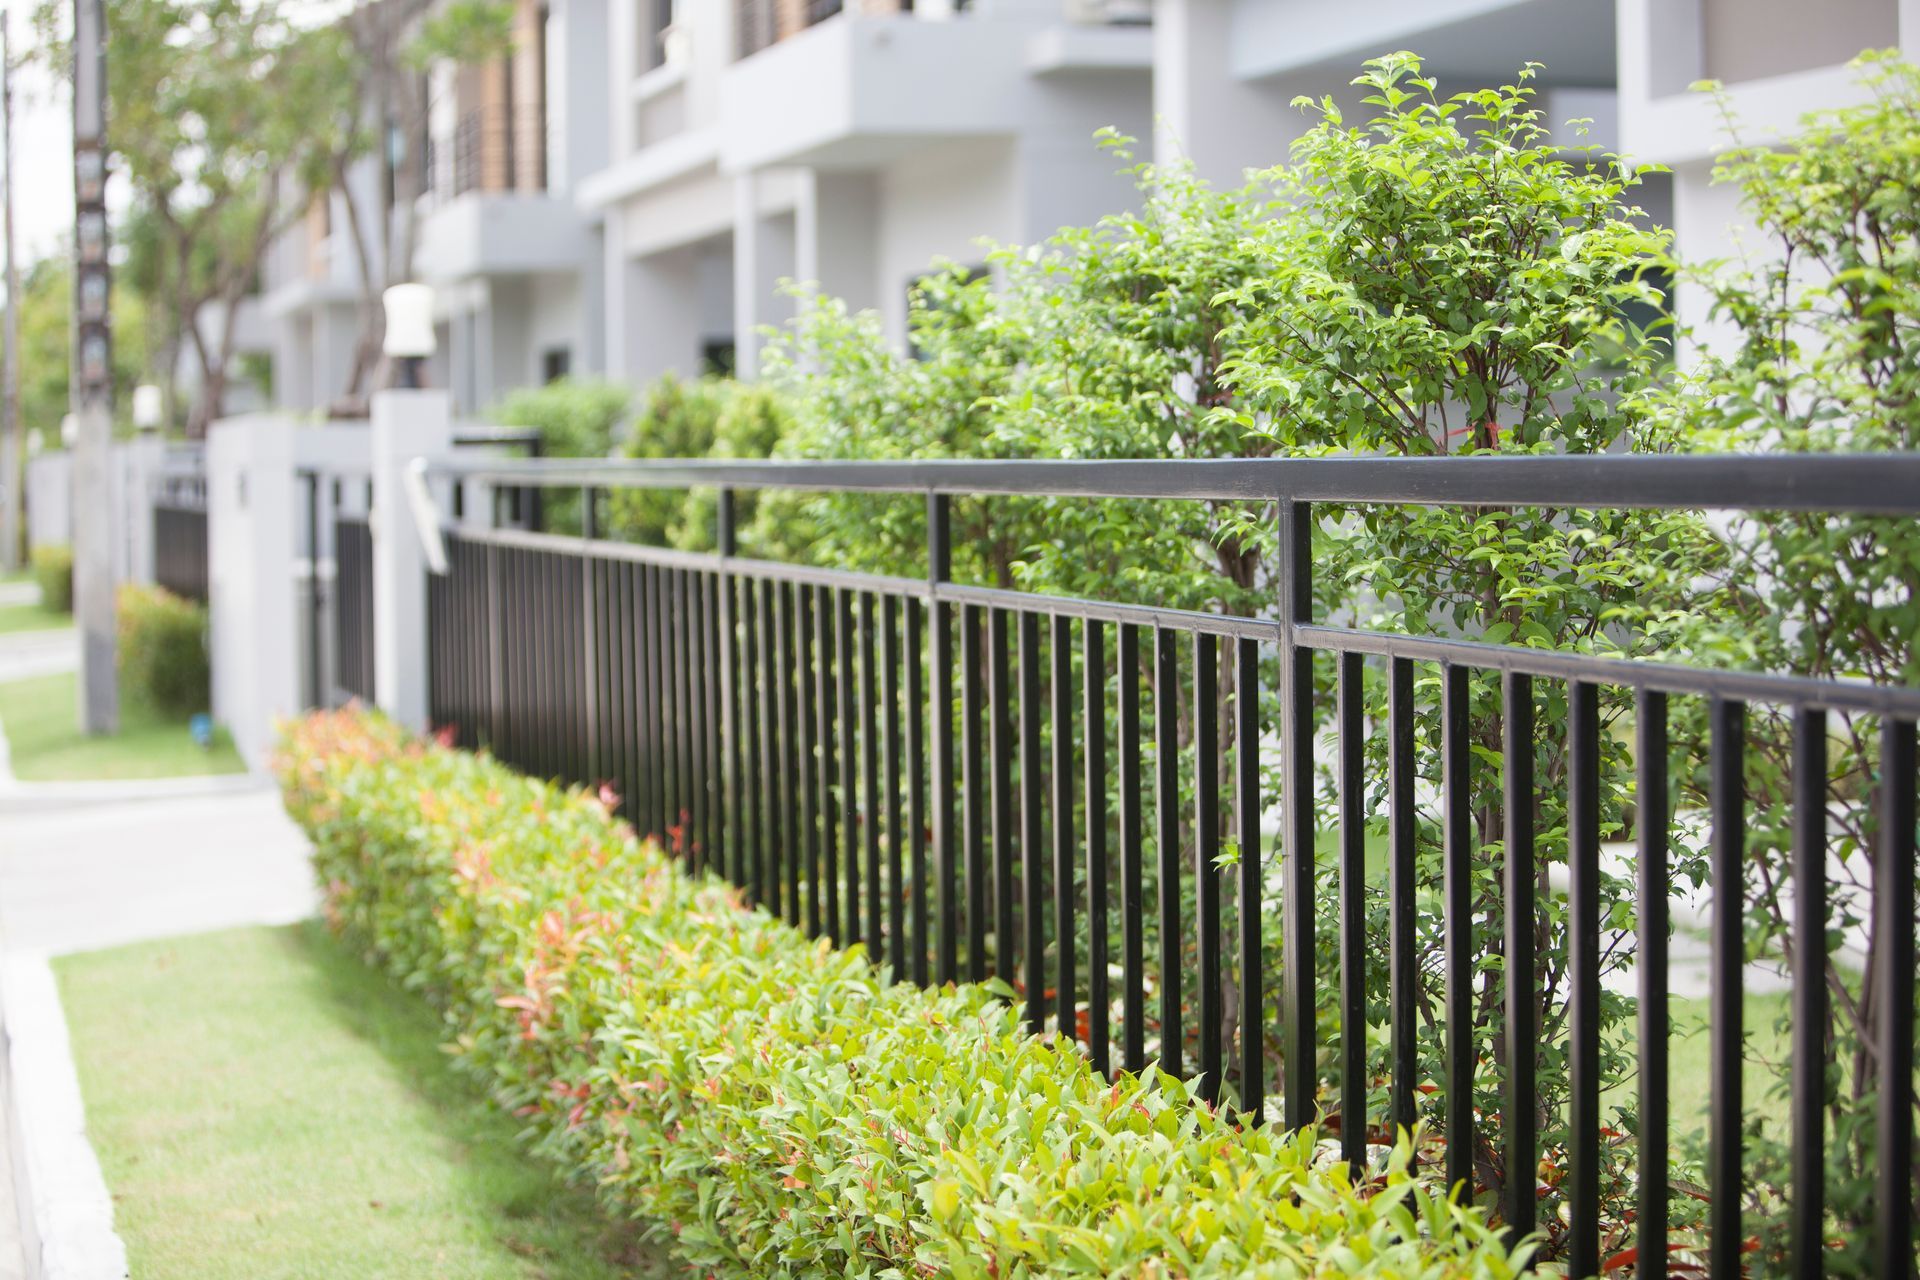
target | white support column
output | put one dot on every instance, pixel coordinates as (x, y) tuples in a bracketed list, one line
[(143, 456), (747, 309), (406, 425), (1202, 111), (252, 506)]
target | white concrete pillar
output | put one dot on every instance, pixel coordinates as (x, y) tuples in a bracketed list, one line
[(252, 506), (1203, 112), (747, 255), (93, 576), (406, 425), (143, 456), (836, 226)]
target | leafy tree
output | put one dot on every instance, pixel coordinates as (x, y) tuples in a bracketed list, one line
[(209, 118), (370, 71), (46, 345)]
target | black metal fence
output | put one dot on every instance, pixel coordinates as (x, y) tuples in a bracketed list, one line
[(180, 535), (915, 765), (353, 606)]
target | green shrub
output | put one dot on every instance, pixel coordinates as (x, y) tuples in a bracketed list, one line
[(706, 417), (575, 419), (163, 651), (53, 570), (780, 1108)]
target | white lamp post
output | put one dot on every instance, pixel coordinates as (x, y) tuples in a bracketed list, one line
[(410, 339), (149, 407)]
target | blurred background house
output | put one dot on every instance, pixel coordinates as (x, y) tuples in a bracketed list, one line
[(622, 194)]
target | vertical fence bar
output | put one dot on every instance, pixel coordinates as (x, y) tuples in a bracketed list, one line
[(1893, 1252), (1403, 962), (939, 570), (1808, 944), (591, 659), (713, 769), (826, 872), (1000, 695), (496, 660), (1583, 976), (1653, 808), (733, 818), (1298, 1006), (1206, 857), (766, 883), (805, 607), (1726, 1030), (680, 710), (972, 789), (753, 776), (1457, 924), (1246, 729), (917, 781), (316, 675), (1519, 1120), (699, 689), (1351, 713), (1034, 949), (1166, 772), (792, 846), (650, 663), (1060, 650), (1133, 1008), (870, 776), (845, 663), (896, 837), (1094, 673)]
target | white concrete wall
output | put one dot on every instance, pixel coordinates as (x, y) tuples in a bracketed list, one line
[(251, 561), (556, 319), (940, 202), (50, 500)]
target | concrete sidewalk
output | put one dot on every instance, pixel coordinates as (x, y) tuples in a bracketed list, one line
[(85, 866)]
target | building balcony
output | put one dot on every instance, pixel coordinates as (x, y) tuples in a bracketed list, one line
[(494, 233), (858, 90)]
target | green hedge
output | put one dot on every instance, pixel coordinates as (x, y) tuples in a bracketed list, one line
[(163, 651), (53, 570), (777, 1107)]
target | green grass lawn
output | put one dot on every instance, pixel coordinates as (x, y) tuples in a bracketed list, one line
[(264, 1105), (39, 719), (31, 617)]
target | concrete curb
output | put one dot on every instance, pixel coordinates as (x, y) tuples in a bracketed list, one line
[(66, 1211)]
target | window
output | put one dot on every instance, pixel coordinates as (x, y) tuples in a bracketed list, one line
[(717, 357), (555, 364)]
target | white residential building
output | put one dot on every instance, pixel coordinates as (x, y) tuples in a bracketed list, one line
[(1776, 61), (788, 139), (515, 265), (623, 194)]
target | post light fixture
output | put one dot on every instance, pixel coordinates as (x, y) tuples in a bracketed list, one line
[(410, 339), (149, 407)]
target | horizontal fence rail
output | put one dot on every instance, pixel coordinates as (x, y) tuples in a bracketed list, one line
[(1067, 795)]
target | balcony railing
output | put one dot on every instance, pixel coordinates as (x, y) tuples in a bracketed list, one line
[(490, 149)]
